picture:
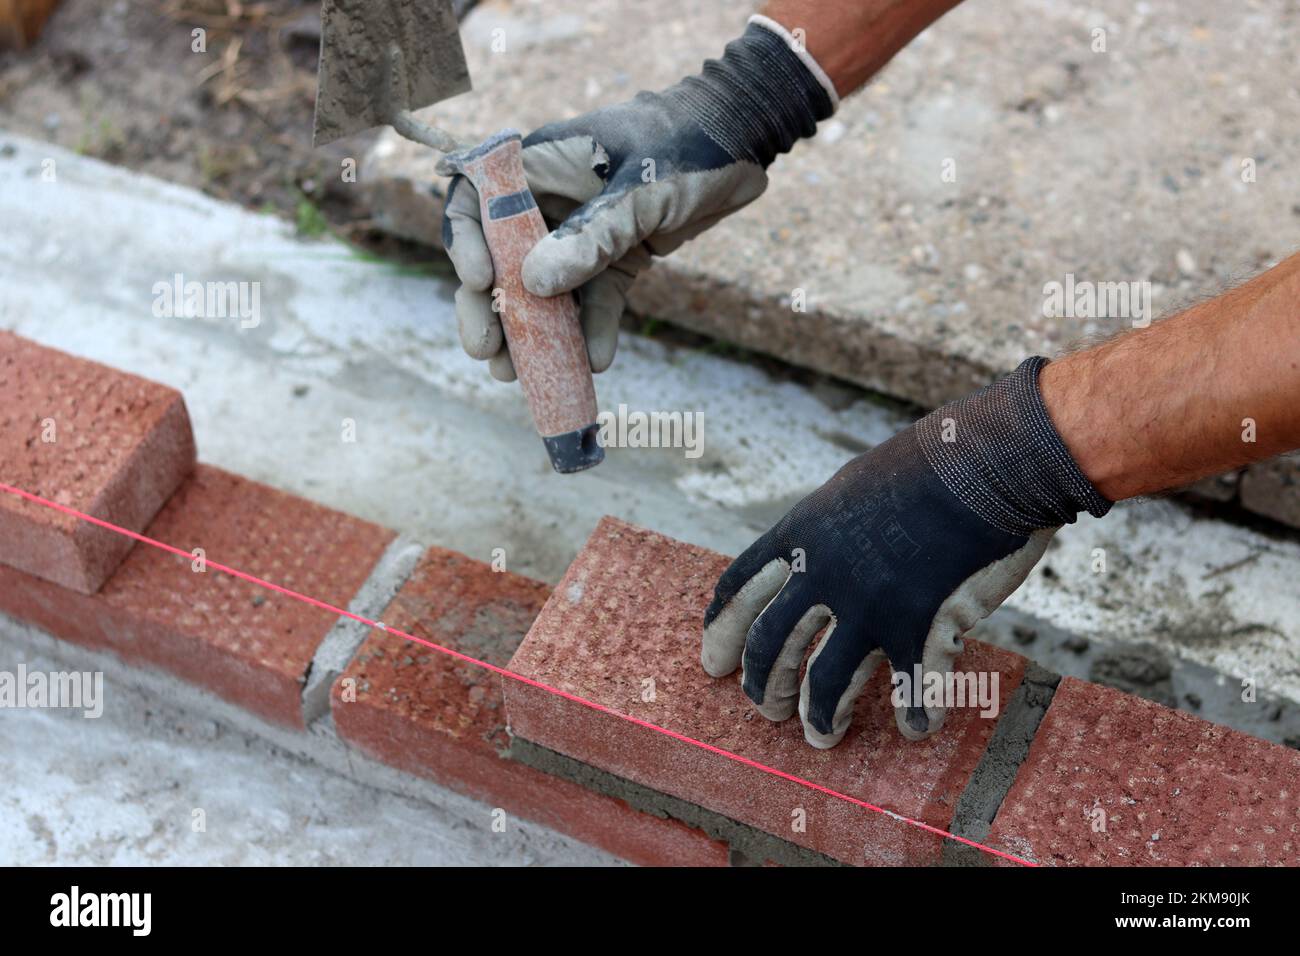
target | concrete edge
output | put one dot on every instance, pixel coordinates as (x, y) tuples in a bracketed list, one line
[(996, 772), (668, 291), (749, 845), (335, 651)]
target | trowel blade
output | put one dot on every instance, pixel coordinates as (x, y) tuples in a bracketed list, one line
[(352, 83)]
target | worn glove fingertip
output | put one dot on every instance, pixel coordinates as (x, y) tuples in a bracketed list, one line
[(816, 738), (602, 309), (480, 330), (501, 367), (601, 350), (469, 255), (542, 274), (718, 657), (908, 725), (777, 710), (727, 626)]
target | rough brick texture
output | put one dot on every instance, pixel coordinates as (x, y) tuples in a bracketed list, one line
[(101, 441), (1170, 788), (424, 712), (239, 640), (629, 611)]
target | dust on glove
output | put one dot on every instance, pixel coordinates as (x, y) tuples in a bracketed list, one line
[(640, 178)]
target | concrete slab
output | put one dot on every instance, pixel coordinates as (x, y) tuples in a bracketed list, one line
[(1161, 149)]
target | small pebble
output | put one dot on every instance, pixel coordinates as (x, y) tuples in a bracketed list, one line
[(831, 133)]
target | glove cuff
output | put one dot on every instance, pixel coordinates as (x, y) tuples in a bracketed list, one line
[(763, 95), (998, 452)]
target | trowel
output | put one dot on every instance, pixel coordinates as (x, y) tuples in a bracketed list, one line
[(379, 61)]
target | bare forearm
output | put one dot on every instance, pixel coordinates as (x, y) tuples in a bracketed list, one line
[(852, 39), (1213, 388)]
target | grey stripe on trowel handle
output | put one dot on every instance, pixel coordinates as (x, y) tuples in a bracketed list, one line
[(344, 638), (997, 769)]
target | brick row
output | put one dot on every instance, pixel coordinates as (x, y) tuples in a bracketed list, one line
[(240, 641), (426, 713), (623, 628), (1114, 780)]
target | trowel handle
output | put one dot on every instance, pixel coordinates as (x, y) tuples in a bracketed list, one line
[(544, 334)]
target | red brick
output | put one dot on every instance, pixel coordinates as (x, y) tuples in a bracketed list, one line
[(122, 446), (1215, 796), (425, 713), (239, 640), (631, 608)]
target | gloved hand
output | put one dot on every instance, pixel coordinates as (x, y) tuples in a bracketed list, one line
[(639, 178), (902, 552)]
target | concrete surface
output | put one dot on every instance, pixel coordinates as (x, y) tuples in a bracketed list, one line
[(123, 789), (447, 455), (1117, 166), (1272, 488)]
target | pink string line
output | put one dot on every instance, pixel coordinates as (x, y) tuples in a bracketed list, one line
[(504, 672)]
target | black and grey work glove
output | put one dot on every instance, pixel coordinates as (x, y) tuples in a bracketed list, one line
[(640, 178), (897, 556)]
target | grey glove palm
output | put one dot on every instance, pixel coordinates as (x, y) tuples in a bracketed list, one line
[(637, 179)]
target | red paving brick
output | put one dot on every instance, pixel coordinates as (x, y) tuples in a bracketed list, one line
[(629, 609), (241, 641), (121, 446), (428, 714), (1171, 789)]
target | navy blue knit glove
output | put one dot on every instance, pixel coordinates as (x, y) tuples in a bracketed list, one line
[(904, 550)]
